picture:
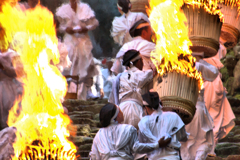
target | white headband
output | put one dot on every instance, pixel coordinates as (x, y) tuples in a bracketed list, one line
[(115, 115), (145, 103), (135, 58), (119, 6)]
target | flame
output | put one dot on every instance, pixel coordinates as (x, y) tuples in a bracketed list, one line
[(211, 6), (172, 46), (40, 118)]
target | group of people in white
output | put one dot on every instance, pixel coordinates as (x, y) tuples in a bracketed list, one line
[(133, 123)]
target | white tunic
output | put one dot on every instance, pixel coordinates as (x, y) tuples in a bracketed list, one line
[(131, 84), (118, 141), (64, 61), (79, 46), (121, 26), (138, 43), (159, 124), (200, 141)]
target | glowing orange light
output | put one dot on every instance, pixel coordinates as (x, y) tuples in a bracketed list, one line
[(172, 46), (32, 35)]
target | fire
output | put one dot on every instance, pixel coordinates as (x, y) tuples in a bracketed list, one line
[(172, 46), (41, 124), (211, 6)]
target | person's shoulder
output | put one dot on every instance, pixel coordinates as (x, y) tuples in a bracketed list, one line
[(171, 115), (127, 127), (145, 119), (168, 113)]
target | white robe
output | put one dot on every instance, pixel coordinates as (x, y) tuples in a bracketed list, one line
[(138, 43), (97, 82), (79, 46), (200, 141), (218, 105), (221, 52), (121, 26), (130, 94), (159, 124), (64, 61), (118, 142)]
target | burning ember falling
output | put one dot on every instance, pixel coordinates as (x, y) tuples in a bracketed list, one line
[(41, 124), (172, 46)]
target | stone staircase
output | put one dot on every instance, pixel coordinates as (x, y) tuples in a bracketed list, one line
[(228, 148), (85, 119)]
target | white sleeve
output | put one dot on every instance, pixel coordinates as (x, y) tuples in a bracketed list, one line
[(208, 71), (144, 17), (145, 133), (138, 147), (92, 23), (94, 154), (100, 78)]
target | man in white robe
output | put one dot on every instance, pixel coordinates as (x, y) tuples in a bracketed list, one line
[(157, 124), (131, 83), (121, 25), (141, 33), (218, 105), (119, 141), (76, 19), (200, 141)]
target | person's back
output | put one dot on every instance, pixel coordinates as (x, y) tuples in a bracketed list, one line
[(118, 141), (157, 124), (131, 83)]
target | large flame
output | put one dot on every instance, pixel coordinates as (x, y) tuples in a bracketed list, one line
[(172, 46), (41, 124), (211, 6)]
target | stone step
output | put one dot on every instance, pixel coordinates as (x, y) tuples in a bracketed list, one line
[(87, 146), (225, 149), (83, 153), (81, 140)]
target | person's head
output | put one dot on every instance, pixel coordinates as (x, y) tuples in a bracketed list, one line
[(33, 3), (110, 113), (124, 6), (133, 58), (141, 28), (151, 102)]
